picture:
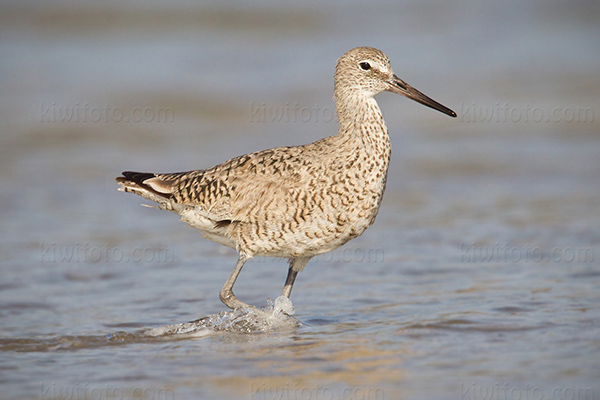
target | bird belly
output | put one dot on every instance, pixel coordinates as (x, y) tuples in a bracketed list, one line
[(207, 226)]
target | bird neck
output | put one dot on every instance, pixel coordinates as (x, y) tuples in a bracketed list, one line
[(360, 117)]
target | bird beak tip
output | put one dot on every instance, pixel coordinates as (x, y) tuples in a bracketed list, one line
[(398, 86)]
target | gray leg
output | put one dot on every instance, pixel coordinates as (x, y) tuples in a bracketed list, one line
[(226, 295), (296, 265)]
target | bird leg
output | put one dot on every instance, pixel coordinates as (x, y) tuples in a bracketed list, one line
[(296, 265), (226, 295)]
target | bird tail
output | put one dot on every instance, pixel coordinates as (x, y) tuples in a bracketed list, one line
[(148, 185)]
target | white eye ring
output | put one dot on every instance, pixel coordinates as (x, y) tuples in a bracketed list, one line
[(365, 66)]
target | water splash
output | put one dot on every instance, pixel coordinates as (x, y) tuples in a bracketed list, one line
[(276, 316)]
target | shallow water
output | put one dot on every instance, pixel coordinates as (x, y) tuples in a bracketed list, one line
[(479, 279)]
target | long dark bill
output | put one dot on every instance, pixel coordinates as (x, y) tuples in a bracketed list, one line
[(398, 86)]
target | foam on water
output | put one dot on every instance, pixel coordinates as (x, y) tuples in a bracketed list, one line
[(276, 316)]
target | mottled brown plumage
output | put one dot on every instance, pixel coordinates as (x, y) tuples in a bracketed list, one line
[(294, 202)]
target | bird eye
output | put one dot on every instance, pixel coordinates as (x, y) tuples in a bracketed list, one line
[(365, 66)]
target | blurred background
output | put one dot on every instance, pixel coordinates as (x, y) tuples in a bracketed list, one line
[(480, 275)]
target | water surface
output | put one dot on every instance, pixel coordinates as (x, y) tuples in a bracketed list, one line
[(479, 278)]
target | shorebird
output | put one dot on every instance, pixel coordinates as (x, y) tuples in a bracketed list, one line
[(294, 202)]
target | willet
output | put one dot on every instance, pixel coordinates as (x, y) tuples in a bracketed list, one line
[(300, 201)]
